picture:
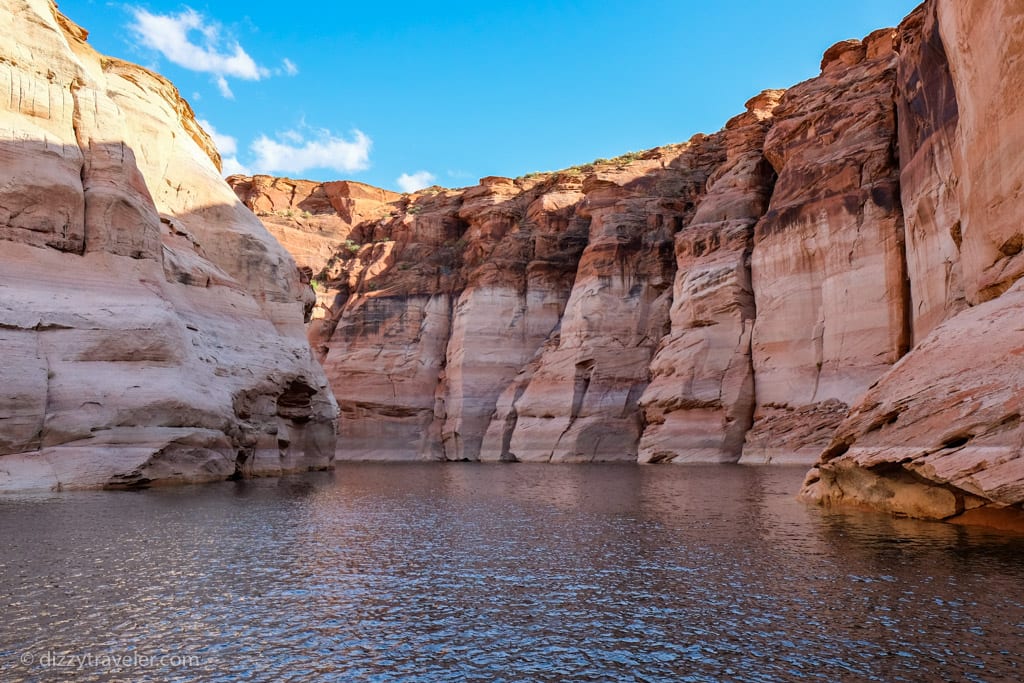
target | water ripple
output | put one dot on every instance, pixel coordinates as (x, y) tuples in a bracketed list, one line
[(473, 573)]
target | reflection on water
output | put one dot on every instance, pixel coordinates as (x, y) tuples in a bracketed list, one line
[(469, 572)]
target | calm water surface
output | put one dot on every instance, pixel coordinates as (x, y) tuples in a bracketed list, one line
[(492, 573)]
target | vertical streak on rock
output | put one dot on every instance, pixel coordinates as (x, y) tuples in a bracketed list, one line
[(120, 215), (388, 362), (902, 309), (617, 312), (75, 117), (699, 404), (515, 294), (927, 114), (826, 266), (984, 44)]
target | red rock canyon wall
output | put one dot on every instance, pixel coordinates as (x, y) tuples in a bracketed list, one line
[(834, 272), (833, 277)]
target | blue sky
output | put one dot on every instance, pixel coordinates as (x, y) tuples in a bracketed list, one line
[(404, 94)]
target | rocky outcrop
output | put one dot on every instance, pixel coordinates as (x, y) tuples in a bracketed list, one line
[(611, 311), (837, 272), (152, 328), (984, 48), (827, 267), (700, 403), (927, 113), (719, 300), (940, 435), (309, 218)]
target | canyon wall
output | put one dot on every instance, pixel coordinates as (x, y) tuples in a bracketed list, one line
[(835, 274), (722, 300), (940, 435), (153, 330)]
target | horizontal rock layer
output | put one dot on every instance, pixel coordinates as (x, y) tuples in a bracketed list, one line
[(153, 329), (815, 278)]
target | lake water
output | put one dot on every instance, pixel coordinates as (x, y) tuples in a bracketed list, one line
[(499, 573)]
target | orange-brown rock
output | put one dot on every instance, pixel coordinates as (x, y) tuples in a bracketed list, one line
[(927, 113), (309, 218), (439, 308), (152, 328), (638, 308), (939, 436), (984, 49), (582, 401), (700, 402), (828, 262), (836, 271)]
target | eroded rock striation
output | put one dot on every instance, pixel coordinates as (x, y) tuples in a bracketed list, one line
[(835, 274), (722, 300), (940, 435), (152, 329)]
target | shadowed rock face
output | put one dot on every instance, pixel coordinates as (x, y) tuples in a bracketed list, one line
[(748, 295), (152, 328)]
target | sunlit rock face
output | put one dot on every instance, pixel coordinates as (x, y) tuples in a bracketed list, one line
[(153, 330), (835, 272), (827, 266), (940, 435)]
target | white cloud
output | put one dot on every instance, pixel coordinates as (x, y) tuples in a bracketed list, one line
[(289, 67), (410, 182), (232, 166), (228, 148), (189, 40), (225, 89), (297, 154)]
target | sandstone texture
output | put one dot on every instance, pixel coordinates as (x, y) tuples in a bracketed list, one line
[(833, 277), (827, 266), (939, 436), (153, 330)]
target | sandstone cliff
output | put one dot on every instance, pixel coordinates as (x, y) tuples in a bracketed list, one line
[(152, 328), (940, 436), (837, 272), (722, 300)]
